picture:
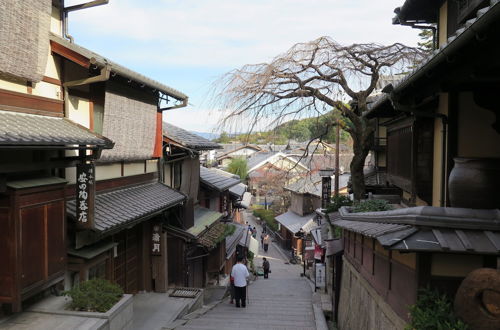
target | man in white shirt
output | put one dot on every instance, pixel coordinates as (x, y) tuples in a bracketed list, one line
[(240, 275)]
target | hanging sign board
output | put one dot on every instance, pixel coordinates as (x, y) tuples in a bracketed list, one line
[(320, 275), (156, 240), (85, 195), (326, 189)]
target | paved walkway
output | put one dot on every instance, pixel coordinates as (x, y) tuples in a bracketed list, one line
[(284, 301)]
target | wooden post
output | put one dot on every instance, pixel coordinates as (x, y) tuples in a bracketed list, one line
[(337, 163)]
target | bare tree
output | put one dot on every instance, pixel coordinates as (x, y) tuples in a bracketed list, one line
[(314, 78)]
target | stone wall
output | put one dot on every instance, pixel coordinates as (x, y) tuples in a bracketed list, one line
[(361, 307)]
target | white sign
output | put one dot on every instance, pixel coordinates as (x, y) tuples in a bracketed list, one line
[(320, 275)]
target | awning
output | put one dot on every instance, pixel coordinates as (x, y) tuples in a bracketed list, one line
[(203, 219), (246, 200), (234, 239), (294, 222), (22, 130), (238, 190), (127, 206), (92, 251)]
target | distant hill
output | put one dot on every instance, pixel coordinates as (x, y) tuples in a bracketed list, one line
[(208, 136)]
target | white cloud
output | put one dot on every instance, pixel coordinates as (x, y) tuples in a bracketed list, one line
[(183, 42), (235, 32)]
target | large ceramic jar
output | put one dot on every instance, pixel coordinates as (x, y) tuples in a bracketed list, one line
[(475, 183)]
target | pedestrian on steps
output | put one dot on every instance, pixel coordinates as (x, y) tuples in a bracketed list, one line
[(266, 266), (231, 288), (266, 242), (240, 275)]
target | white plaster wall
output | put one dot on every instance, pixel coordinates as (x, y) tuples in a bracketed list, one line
[(108, 171), (13, 86), (151, 165), (79, 110), (47, 90), (133, 168)]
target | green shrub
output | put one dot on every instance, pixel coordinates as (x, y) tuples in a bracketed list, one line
[(268, 217), (371, 205), (96, 295), (433, 311), (337, 202)]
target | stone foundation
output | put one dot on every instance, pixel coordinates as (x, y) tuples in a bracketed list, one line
[(361, 307)]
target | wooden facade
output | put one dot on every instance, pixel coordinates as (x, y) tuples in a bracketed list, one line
[(32, 241), (392, 274)]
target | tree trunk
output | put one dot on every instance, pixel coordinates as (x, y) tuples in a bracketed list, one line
[(362, 143)]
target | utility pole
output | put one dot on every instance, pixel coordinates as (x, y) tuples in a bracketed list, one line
[(337, 153)]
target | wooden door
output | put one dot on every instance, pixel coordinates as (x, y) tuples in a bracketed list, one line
[(32, 245), (127, 263)]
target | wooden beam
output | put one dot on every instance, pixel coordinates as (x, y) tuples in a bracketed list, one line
[(69, 54), (27, 101)]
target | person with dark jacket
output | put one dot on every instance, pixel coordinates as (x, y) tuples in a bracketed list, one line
[(266, 266)]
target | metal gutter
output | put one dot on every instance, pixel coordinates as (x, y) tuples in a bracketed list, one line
[(122, 71)]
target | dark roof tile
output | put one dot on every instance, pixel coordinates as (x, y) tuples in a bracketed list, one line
[(124, 206), (188, 139)]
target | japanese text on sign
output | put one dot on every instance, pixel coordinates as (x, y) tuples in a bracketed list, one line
[(85, 195), (156, 240)]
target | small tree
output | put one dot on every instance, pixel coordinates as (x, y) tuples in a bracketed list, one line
[(239, 167), (315, 77)]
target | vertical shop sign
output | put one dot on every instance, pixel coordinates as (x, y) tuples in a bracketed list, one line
[(85, 195)]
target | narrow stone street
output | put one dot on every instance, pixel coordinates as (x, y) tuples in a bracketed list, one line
[(283, 301)]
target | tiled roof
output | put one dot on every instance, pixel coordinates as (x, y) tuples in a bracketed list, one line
[(188, 139), (212, 236), (294, 222), (203, 219), (259, 157), (22, 129), (125, 206), (238, 190), (310, 184), (428, 229), (215, 180), (121, 70)]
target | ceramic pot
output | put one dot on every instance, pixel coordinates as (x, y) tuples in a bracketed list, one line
[(474, 183)]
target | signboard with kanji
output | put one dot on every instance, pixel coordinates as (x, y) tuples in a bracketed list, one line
[(156, 240), (320, 275), (326, 190), (85, 195)]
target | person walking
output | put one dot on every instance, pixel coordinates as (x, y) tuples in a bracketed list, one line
[(231, 289), (266, 266), (240, 275), (266, 242), (254, 232)]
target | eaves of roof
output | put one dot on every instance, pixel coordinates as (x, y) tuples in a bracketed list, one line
[(428, 229), (455, 42), (118, 69)]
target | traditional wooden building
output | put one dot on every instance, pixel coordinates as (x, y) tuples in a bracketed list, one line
[(196, 237), (443, 157), (72, 208)]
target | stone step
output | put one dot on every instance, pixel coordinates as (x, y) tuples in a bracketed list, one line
[(261, 315), (235, 321)]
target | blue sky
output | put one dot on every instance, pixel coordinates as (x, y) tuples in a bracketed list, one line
[(188, 44)]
